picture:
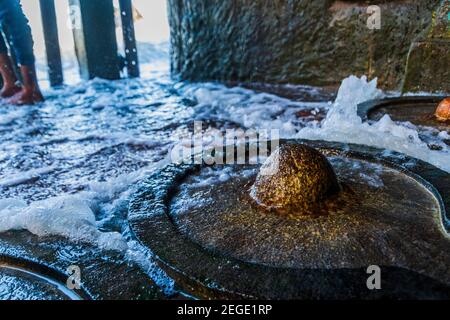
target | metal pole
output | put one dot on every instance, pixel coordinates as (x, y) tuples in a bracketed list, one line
[(52, 49), (95, 38), (129, 39)]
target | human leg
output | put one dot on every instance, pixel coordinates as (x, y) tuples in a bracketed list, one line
[(12, 15)]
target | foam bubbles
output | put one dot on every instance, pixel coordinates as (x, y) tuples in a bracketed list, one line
[(24, 177), (342, 124), (69, 215)]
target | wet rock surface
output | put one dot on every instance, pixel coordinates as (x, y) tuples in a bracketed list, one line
[(347, 231), (428, 63), (19, 284), (188, 220), (37, 268), (295, 41)]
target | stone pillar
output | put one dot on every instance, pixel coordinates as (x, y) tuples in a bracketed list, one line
[(95, 38), (316, 42), (428, 65)]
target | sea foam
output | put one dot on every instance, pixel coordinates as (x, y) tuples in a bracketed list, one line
[(342, 124)]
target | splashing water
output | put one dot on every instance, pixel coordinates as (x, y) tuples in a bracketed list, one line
[(69, 165), (344, 125)]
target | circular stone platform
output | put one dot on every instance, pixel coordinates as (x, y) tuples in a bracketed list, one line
[(419, 110), (27, 281), (36, 268), (216, 243)]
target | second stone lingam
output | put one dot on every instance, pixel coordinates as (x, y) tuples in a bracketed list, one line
[(443, 111), (308, 229)]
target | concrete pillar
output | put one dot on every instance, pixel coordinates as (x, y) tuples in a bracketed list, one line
[(95, 38), (428, 64), (316, 42), (52, 49)]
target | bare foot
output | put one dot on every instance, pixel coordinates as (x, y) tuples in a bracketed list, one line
[(38, 97), (26, 97), (9, 91), (23, 97)]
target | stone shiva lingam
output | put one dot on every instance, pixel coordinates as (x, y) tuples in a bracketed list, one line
[(294, 178), (308, 223), (443, 110)]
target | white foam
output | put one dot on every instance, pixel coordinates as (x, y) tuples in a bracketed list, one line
[(247, 108), (424, 93), (444, 135), (213, 175), (25, 177), (10, 117), (77, 218), (70, 215), (73, 216), (344, 125)]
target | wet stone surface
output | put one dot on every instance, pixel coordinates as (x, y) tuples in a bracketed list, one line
[(34, 267), (386, 215), (347, 231), (443, 111), (16, 284), (216, 41)]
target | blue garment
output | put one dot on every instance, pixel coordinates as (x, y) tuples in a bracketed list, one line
[(17, 31)]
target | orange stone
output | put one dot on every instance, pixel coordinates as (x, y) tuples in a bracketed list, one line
[(443, 110)]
